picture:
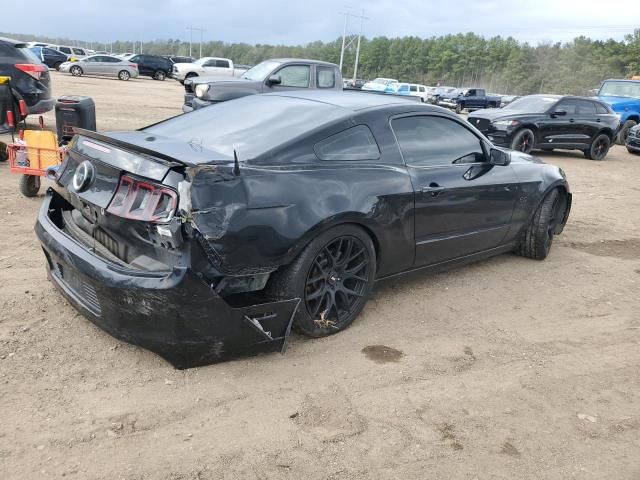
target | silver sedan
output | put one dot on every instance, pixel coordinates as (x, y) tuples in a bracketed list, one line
[(106, 65)]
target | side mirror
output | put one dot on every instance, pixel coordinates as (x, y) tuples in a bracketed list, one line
[(559, 113), (274, 80), (499, 157)]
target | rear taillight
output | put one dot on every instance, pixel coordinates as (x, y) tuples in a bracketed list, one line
[(133, 65), (34, 70), (140, 200)]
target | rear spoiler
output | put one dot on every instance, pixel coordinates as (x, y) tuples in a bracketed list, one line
[(158, 157)]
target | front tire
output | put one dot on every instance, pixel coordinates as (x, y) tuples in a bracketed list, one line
[(634, 152), (333, 277), (624, 131), (159, 75), (537, 238), (523, 141), (75, 71), (57, 65), (599, 147), (124, 75), (459, 108), (29, 185)]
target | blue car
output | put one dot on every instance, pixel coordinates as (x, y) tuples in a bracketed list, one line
[(623, 96)]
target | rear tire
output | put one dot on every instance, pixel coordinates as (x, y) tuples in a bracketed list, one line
[(333, 277), (599, 147), (537, 238), (75, 71), (159, 75), (29, 185), (624, 131), (124, 75), (523, 141), (57, 65)]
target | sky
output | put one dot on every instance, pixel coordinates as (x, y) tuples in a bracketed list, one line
[(300, 22)]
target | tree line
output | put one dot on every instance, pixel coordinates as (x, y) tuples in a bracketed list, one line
[(499, 64)]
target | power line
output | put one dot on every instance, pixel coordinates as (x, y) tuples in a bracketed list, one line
[(191, 30), (349, 39)]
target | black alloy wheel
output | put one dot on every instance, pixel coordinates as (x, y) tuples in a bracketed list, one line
[(333, 277), (523, 141), (536, 239), (337, 281), (599, 148)]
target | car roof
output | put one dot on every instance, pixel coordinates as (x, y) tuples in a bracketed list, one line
[(630, 80), (305, 60), (354, 100), (12, 41)]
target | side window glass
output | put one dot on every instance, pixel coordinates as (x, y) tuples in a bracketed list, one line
[(294, 76), (422, 90), (325, 77), (413, 88), (356, 143), (601, 109), (78, 51), (586, 108), (568, 106), (428, 141), (222, 63), (65, 50)]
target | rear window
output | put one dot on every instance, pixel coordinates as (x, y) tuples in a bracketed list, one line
[(20, 53), (325, 77), (356, 143), (602, 109), (251, 125)]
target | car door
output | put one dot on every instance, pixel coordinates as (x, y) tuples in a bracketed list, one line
[(587, 122), (292, 77), (463, 204), (140, 60), (559, 127), (90, 65), (470, 99)]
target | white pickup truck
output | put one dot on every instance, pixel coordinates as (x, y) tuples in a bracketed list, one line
[(207, 66)]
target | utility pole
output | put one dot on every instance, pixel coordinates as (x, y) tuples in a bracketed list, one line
[(191, 29), (355, 68), (350, 39)]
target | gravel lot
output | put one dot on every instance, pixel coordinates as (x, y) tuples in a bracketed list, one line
[(505, 369)]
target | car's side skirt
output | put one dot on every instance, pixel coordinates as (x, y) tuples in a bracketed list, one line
[(456, 262)]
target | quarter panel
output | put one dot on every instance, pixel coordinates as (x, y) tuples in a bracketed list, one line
[(286, 208)]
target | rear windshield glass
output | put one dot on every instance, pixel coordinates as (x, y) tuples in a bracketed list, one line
[(251, 125)]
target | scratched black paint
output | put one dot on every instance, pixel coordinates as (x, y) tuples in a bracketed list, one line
[(232, 230)]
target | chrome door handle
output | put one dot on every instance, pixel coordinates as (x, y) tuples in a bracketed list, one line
[(433, 189)]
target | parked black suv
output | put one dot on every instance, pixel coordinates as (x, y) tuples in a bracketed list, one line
[(547, 122), (152, 66), (29, 77), (52, 58)]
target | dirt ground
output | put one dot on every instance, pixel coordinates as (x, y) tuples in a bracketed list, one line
[(505, 369)]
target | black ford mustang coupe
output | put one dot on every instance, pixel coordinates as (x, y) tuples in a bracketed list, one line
[(547, 122), (207, 236)]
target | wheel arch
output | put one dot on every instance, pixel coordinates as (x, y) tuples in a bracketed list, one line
[(564, 207), (351, 218), (609, 132)]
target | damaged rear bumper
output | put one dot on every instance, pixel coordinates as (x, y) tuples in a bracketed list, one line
[(174, 314)]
